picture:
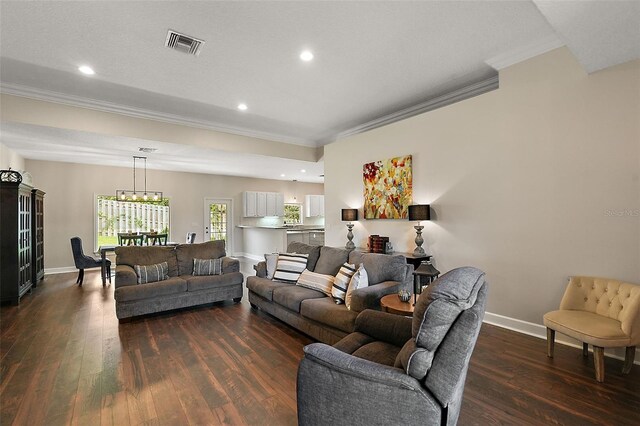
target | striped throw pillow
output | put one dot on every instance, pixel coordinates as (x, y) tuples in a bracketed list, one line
[(315, 281), (290, 266), (359, 280), (207, 266), (152, 273), (341, 282)]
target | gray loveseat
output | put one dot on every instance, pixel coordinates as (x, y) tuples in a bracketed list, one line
[(394, 369), (316, 314), (182, 289)]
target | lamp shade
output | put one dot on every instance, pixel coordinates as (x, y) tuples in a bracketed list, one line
[(419, 212), (349, 215)]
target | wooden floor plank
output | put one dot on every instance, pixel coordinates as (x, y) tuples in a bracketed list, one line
[(65, 359)]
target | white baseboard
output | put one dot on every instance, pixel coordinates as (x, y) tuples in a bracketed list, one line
[(62, 270), (540, 331), (249, 256)]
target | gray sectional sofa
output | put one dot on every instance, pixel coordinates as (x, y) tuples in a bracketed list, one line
[(182, 289), (316, 314)]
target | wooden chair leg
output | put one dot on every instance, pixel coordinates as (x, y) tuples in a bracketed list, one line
[(629, 356), (551, 337), (598, 362), (585, 350)]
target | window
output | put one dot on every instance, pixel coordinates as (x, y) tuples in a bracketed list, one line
[(292, 214), (114, 217)]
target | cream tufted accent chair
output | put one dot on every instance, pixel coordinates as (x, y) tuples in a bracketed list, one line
[(598, 311)]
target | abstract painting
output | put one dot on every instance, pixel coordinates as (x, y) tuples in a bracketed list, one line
[(387, 188)]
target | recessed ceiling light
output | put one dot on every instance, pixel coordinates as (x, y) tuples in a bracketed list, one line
[(306, 55), (85, 69), (303, 171), (282, 175), (242, 107)]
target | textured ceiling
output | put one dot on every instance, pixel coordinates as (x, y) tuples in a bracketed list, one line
[(371, 59)]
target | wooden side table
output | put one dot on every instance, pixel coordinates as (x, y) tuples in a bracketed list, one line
[(391, 303)]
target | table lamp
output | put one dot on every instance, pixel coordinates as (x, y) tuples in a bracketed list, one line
[(349, 215), (419, 212)]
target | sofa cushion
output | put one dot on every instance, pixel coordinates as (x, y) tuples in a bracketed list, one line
[(130, 293), (327, 312), (341, 282), (204, 282), (185, 254), (264, 287), (378, 352), (414, 360), (381, 267), (360, 279), (147, 255), (316, 281), (271, 261), (352, 342), (290, 266), (331, 259), (151, 273), (292, 296), (312, 251), (207, 267)]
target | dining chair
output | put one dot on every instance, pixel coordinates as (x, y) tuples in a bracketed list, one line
[(157, 239), (130, 239), (83, 261)]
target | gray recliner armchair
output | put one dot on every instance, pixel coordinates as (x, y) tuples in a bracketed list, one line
[(394, 369)]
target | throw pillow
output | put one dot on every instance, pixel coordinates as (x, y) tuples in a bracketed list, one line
[(341, 282), (359, 280), (315, 281), (152, 273), (207, 266), (290, 266), (271, 259)]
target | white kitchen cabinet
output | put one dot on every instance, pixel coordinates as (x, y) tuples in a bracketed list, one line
[(261, 204), (314, 205), (250, 198)]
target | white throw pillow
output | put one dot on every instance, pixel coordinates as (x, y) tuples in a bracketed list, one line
[(290, 266), (315, 281), (271, 259), (341, 282), (359, 280)]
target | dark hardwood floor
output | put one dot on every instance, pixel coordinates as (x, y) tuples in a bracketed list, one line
[(66, 360)]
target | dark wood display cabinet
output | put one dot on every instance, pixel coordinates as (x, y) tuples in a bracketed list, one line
[(21, 236), (37, 233)]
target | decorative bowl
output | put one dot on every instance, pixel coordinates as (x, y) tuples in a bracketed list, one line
[(404, 295)]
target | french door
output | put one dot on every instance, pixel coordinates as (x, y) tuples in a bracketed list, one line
[(218, 221)]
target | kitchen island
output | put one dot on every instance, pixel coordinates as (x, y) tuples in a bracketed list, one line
[(258, 240)]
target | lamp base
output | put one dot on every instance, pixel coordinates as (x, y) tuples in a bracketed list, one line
[(350, 245), (419, 251)]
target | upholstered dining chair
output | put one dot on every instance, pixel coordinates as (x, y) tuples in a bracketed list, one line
[(601, 312), (83, 261), (191, 237), (394, 369)]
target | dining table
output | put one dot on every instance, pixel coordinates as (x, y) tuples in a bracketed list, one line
[(111, 248)]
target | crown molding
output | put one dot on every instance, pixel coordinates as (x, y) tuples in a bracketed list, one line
[(110, 107), (525, 52), (457, 95)]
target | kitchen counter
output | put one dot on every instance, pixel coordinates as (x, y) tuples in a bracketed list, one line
[(287, 228), (259, 239)]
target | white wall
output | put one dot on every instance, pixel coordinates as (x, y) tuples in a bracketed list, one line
[(10, 158), (71, 190), (532, 183)]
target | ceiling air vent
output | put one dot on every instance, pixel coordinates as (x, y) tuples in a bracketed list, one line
[(183, 43), (147, 150)]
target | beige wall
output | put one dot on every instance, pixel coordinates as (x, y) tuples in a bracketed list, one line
[(10, 158), (71, 189), (532, 183)]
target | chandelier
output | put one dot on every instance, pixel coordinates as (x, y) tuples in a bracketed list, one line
[(135, 195)]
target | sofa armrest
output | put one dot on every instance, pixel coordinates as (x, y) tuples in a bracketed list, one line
[(230, 264), (389, 328), (369, 297), (261, 269), (125, 275), (330, 380)]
